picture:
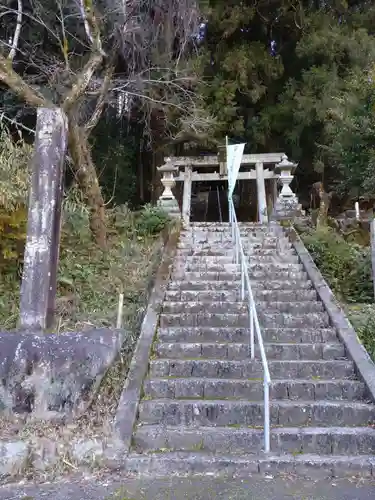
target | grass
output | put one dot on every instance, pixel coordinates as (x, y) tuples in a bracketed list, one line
[(90, 280)]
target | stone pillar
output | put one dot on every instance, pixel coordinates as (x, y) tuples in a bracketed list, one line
[(38, 288), (275, 192), (287, 206), (167, 200), (186, 200), (261, 193), (222, 159)]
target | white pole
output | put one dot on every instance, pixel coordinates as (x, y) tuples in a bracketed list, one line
[(252, 353), (242, 280), (226, 154), (267, 444), (119, 310), (356, 207)]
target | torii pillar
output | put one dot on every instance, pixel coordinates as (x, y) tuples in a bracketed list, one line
[(261, 193)]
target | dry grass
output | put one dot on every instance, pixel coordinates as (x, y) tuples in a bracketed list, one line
[(90, 280)]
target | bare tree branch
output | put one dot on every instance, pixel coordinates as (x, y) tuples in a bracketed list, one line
[(65, 43), (18, 85), (82, 81), (17, 32), (85, 21), (94, 119), (17, 124)]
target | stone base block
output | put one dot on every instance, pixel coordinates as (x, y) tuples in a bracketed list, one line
[(170, 206)]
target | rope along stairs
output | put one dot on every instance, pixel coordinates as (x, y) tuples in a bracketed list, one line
[(204, 404)]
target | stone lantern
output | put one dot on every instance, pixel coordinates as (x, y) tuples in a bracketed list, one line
[(167, 200), (287, 202)]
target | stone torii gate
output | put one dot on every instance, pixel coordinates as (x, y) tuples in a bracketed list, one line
[(189, 169)]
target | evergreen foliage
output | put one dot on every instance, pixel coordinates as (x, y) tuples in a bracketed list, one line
[(296, 77)]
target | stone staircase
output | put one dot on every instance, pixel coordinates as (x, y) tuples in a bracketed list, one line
[(203, 396)]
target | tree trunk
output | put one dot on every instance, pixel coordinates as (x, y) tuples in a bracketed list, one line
[(87, 179), (325, 200)]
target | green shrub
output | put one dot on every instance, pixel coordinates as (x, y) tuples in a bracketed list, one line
[(362, 317), (75, 216), (366, 333), (150, 221), (14, 171), (347, 267), (12, 239), (14, 184)]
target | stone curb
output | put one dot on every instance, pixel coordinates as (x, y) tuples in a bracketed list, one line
[(345, 331), (128, 405)]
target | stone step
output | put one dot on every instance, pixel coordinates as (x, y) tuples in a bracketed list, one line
[(222, 226), (229, 257), (266, 320), (214, 236), (204, 237), (264, 284), (244, 232), (241, 307), (219, 225), (216, 295), (222, 260), (223, 248), (241, 351), (248, 242), (309, 466), (251, 369), (226, 243), (235, 268), (228, 228), (252, 390), (254, 274), (294, 440), (210, 334), (251, 413)]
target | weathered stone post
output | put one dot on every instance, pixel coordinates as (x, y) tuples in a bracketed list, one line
[(38, 289), (167, 200), (287, 205)]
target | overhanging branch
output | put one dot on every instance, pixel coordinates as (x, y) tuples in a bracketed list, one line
[(19, 86), (94, 119)]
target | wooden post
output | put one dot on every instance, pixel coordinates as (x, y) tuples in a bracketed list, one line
[(261, 194), (38, 288), (372, 228), (186, 199)]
